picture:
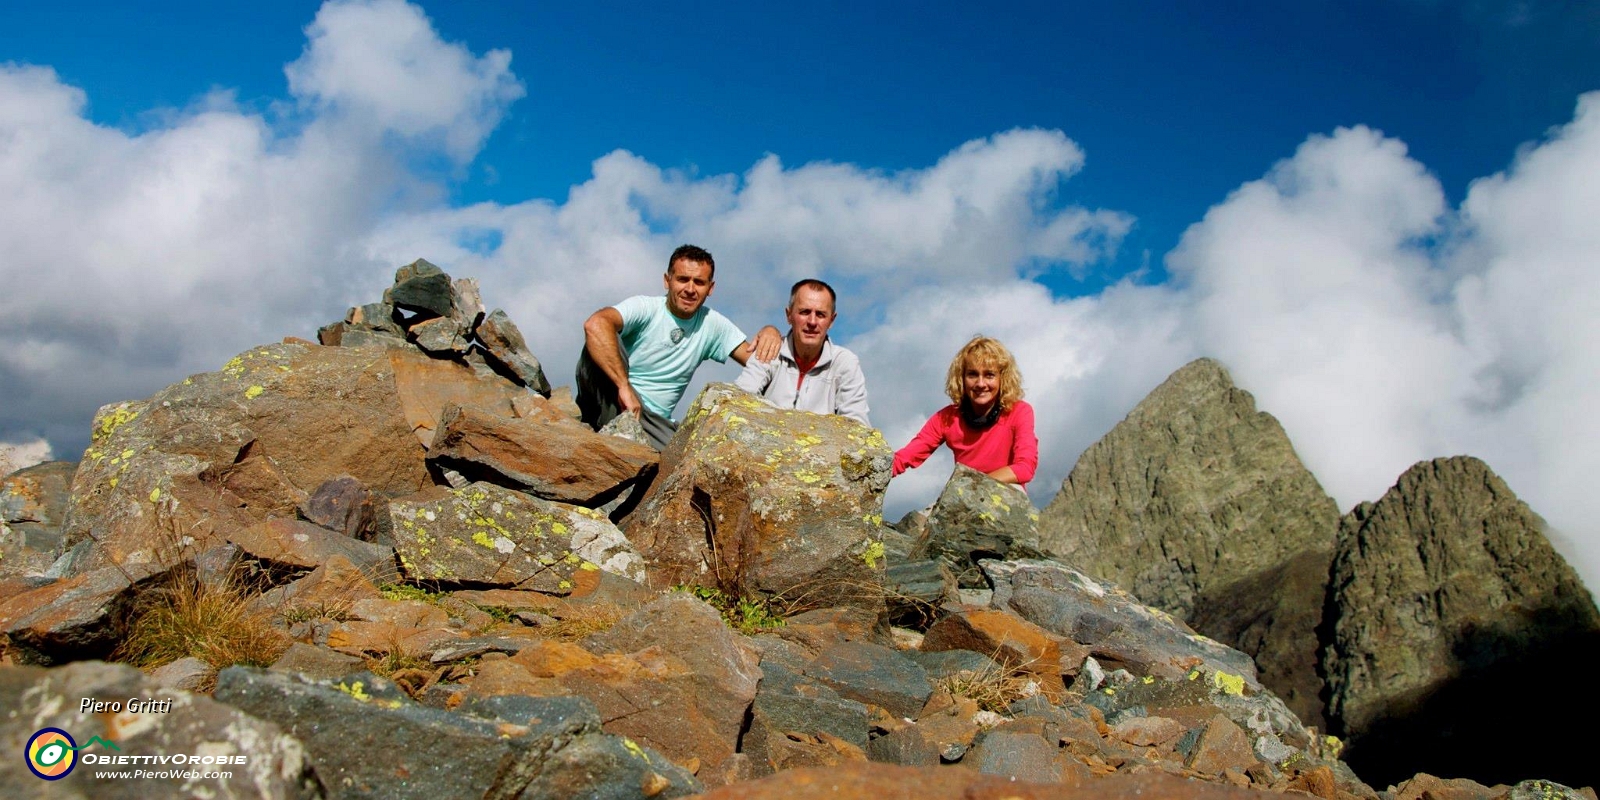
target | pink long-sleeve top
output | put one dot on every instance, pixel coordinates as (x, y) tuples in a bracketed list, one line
[(1009, 442)]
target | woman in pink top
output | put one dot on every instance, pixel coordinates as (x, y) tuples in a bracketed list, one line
[(987, 426)]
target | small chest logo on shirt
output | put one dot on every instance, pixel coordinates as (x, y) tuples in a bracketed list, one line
[(676, 335)]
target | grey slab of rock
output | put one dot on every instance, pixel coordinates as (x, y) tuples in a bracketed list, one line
[(342, 334), (609, 768), (317, 663), (1115, 626), (366, 741), (504, 343), (422, 287), (440, 336), (978, 517), (276, 766), (907, 747), (916, 588), (188, 674), (873, 674), (1197, 504), (944, 663), (1015, 755), (789, 702), (459, 649)]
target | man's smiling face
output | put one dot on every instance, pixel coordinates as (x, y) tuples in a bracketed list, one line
[(688, 285)]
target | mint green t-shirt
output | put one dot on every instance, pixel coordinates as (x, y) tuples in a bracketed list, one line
[(660, 362)]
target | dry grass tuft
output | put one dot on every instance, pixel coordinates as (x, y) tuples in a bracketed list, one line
[(992, 688), (577, 622), (216, 624)]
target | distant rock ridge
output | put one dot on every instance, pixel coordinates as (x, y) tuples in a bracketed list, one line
[(1444, 594), (1197, 504)]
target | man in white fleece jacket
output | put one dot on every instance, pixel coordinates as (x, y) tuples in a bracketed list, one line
[(811, 373)]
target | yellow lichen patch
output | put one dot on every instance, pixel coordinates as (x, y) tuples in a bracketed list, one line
[(1333, 745), (809, 439), (876, 439), (1231, 684), (873, 552), (588, 567), (254, 392), (635, 749), (114, 419), (155, 495), (873, 519), (1149, 679), (1194, 673), (572, 558), (356, 690), (483, 539), (807, 476), (565, 584)]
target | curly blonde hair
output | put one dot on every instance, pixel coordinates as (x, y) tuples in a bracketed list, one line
[(983, 350)]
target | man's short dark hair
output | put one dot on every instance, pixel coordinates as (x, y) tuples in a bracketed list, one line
[(813, 283), (689, 252)]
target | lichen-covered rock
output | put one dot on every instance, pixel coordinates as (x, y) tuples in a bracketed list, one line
[(33, 502), (1446, 591), (487, 534), (1197, 504), (544, 453), (271, 765), (978, 517), (164, 478), (764, 499)]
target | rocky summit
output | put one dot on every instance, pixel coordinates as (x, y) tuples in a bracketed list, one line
[(1446, 594), (391, 564), (1197, 504)]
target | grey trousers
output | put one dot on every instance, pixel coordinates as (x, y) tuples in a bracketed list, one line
[(597, 400)]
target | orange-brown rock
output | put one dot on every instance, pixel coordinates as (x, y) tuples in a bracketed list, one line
[(1222, 745), (1013, 642), (545, 453)]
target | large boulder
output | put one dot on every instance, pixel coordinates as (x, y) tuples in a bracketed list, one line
[(1448, 598), (1197, 504), (261, 760), (73, 618), (168, 476), (757, 499), (33, 502)]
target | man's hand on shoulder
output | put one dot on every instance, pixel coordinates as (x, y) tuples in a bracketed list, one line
[(768, 342)]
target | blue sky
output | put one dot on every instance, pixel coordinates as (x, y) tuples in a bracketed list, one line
[(1174, 103), (1379, 215)]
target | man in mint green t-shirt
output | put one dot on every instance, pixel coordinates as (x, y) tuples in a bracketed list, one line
[(639, 354)]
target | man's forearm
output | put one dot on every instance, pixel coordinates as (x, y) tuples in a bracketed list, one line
[(606, 352)]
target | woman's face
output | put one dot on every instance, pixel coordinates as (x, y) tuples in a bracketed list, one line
[(981, 384)]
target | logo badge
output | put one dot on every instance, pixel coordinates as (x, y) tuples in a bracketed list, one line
[(676, 335), (51, 753)]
